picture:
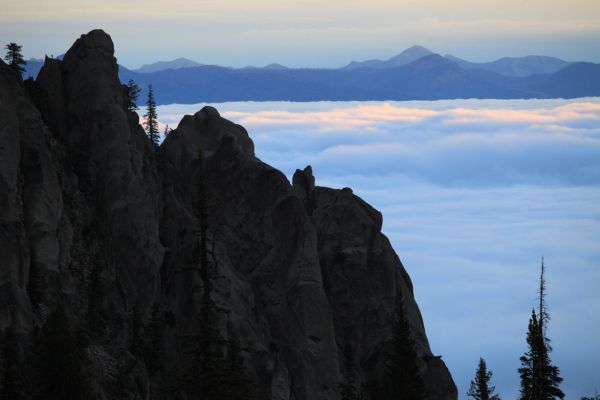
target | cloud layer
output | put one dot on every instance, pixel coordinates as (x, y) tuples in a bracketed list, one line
[(481, 143), (473, 193)]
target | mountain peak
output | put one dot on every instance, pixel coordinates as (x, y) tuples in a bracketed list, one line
[(433, 61), (408, 56), (275, 66), (515, 66), (177, 63), (417, 50)]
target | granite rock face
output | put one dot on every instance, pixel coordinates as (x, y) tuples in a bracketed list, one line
[(96, 220)]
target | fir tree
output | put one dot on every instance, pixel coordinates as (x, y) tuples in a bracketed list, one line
[(37, 285), (151, 117), (529, 360), (372, 390), (217, 371), (596, 396), (133, 92), (95, 320), (347, 387), (14, 58), (403, 378), (136, 346), (480, 387), (540, 379), (59, 362), (12, 384), (153, 340), (238, 386), (167, 131), (210, 358)]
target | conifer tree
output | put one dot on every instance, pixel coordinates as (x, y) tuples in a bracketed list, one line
[(166, 131), (372, 390), (540, 379), (347, 387), (59, 362), (95, 320), (14, 58), (238, 386), (218, 371), (480, 388), (596, 396), (210, 358), (153, 340), (12, 384), (403, 378), (133, 92), (151, 117)]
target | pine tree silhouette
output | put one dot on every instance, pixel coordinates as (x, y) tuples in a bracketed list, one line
[(166, 131), (238, 386), (210, 360), (14, 58), (59, 362), (347, 387), (540, 379), (133, 93), (403, 378), (217, 371), (12, 382), (480, 388), (151, 117)]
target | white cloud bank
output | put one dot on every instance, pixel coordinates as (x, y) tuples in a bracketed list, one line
[(482, 143), (473, 193)]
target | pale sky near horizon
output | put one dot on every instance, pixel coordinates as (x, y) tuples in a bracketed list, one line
[(308, 32)]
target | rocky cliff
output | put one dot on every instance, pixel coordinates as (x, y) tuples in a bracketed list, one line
[(98, 223)]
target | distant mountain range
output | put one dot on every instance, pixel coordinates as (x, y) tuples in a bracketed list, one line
[(182, 62), (162, 65), (415, 74), (34, 65), (516, 66), (408, 56)]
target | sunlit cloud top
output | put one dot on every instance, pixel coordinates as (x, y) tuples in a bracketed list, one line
[(466, 143)]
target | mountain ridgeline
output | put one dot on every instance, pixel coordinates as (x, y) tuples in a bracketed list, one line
[(185, 270), (415, 74)]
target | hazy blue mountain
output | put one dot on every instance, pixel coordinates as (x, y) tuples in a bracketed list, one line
[(178, 63), (32, 68), (516, 66), (34, 65), (275, 66), (406, 57), (434, 77), (508, 66), (577, 80), (431, 77)]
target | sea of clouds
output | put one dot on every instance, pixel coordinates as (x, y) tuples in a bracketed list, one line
[(473, 193)]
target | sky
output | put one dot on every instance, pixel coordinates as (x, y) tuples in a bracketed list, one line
[(307, 33), (473, 194)]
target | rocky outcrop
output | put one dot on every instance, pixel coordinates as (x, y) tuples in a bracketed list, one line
[(97, 221)]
